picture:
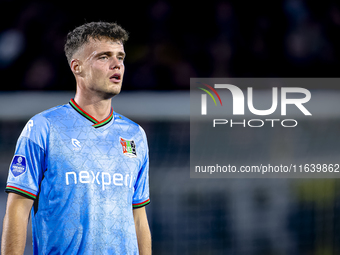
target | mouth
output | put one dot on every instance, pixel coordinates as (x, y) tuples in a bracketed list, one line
[(115, 78)]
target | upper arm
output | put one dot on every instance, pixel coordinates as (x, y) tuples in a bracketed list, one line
[(18, 205), (15, 224), (141, 224), (139, 215)]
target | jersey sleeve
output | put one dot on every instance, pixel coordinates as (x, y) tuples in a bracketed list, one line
[(141, 194), (28, 163)]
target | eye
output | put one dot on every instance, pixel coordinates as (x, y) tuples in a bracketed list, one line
[(103, 57)]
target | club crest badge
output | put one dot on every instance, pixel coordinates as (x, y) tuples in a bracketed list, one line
[(18, 165), (129, 147)]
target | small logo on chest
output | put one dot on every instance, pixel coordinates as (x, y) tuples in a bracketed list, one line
[(76, 144), (129, 147)]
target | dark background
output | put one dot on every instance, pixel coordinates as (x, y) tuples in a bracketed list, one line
[(171, 41)]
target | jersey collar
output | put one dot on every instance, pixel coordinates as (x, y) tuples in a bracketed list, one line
[(97, 123)]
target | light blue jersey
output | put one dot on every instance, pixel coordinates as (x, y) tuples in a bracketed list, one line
[(85, 176)]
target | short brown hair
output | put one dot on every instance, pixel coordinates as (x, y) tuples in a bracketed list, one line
[(95, 30)]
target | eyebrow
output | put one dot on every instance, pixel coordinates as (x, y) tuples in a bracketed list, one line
[(109, 53)]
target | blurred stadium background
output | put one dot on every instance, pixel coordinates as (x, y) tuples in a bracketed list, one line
[(171, 41)]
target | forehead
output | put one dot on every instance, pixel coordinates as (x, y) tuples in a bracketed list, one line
[(99, 45)]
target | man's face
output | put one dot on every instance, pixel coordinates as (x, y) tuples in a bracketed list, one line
[(102, 67)]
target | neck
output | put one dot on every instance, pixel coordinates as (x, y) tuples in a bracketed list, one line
[(96, 107)]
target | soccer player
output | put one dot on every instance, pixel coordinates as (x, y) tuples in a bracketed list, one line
[(80, 169)]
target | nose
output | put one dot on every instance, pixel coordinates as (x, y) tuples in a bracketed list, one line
[(115, 64)]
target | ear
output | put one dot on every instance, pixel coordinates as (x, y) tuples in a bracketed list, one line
[(76, 66)]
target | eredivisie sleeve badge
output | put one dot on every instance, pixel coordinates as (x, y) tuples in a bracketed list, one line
[(129, 147)]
